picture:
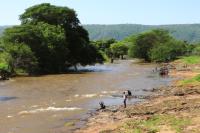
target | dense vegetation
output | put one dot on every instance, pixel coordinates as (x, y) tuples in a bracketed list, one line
[(187, 32), (2, 28), (157, 45), (111, 49), (50, 39)]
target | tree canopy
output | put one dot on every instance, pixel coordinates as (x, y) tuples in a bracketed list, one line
[(54, 37), (157, 45), (119, 49)]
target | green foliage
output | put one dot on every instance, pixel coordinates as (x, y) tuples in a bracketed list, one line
[(22, 58), (4, 63), (110, 48), (104, 46), (156, 45), (2, 28), (154, 124), (195, 50), (130, 41), (51, 39), (190, 59), (4, 58), (50, 14), (119, 49), (167, 51), (105, 56), (144, 42), (194, 80)]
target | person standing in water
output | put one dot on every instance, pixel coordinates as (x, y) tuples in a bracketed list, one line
[(124, 98)]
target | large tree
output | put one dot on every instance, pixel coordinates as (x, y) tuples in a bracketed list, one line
[(55, 36), (157, 45), (168, 51), (119, 49), (144, 42)]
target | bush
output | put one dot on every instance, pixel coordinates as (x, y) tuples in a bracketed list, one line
[(4, 61), (167, 51), (157, 45), (119, 49)]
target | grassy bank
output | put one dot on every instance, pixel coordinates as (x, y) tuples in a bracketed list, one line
[(190, 81), (155, 124), (189, 60)]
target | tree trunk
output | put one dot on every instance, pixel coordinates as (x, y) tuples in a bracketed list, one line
[(111, 60), (122, 57)]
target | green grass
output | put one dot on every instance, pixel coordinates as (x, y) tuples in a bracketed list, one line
[(3, 66), (194, 80), (154, 124), (69, 124), (190, 60)]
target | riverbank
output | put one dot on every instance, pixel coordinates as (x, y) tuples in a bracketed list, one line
[(61, 103), (171, 109)]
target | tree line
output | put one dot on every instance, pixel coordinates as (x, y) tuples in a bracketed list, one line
[(156, 45), (51, 39)]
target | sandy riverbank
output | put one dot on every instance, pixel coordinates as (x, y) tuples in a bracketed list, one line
[(171, 109)]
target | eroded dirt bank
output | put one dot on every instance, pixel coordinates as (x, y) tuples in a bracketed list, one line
[(171, 109)]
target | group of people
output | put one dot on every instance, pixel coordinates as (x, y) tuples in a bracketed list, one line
[(125, 96)]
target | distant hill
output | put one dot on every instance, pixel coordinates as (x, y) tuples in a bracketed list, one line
[(188, 32), (2, 28)]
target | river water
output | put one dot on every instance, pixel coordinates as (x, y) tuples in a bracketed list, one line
[(48, 104)]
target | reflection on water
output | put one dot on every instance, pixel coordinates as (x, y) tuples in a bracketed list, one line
[(46, 103)]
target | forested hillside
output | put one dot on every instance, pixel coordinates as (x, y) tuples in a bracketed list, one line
[(2, 28), (188, 32)]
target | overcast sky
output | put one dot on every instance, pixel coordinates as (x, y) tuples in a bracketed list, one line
[(149, 12)]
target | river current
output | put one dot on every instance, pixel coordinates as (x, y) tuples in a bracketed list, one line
[(47, 104)]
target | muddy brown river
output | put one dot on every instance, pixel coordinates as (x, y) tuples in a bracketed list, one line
[(48, 104)]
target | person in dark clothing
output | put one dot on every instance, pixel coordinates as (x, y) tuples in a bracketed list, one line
[(129, 93), (102, 105)]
